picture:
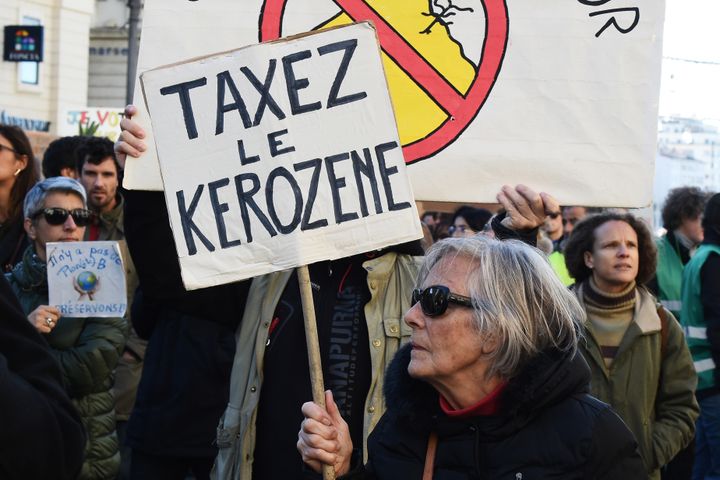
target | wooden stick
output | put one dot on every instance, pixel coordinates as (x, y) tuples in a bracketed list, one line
[(313, 347)]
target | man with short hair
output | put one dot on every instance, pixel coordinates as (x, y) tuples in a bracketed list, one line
[(59, 159), (682, 216), (573, 214), (100, 172), (553, 228)]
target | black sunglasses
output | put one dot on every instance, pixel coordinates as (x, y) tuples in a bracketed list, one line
[(434, 299), (58, 216)]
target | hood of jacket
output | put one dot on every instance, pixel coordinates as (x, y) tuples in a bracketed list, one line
[(711, 220), (546, 379), (31, 273)]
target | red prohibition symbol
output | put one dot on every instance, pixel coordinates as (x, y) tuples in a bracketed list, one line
[(461, 108)]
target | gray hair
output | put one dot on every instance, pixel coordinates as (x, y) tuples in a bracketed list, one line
[(518, 300), (35, 198)]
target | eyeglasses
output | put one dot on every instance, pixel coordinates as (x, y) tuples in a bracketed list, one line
[(58, 216), (459, 228), (3, 147), (554, 215), (434, 300)]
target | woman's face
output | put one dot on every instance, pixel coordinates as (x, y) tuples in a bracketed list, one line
[(615, 259), (460, 228), (446, 348), (9, 161), (41, 232)]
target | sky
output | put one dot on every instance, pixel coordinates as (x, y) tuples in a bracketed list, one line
[(691, 86)]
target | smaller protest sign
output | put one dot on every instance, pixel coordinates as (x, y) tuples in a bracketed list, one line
[(86, 279), (279, 155), (94, 121)]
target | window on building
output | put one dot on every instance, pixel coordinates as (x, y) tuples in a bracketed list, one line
[(29, 72)]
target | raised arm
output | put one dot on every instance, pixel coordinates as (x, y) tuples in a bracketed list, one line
[(524, 212)]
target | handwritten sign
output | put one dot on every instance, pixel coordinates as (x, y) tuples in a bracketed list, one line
[(485, 92), (86, 279), (280, 155)]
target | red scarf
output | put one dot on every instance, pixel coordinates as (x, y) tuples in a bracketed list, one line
[(490, 405)]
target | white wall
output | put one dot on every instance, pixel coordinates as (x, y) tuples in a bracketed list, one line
[(64, 70)]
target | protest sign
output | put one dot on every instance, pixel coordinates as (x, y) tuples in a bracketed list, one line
[(86, 279), (279, 155), (486, 92), (96, 121)]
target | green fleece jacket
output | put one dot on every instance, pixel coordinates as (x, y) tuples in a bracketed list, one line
[(88, 350), (651, 387)]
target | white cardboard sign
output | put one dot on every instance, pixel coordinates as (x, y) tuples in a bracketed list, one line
[(86, 279), (280, 155), (562, 97)]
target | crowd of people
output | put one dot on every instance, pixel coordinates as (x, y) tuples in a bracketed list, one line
[(537, 341)]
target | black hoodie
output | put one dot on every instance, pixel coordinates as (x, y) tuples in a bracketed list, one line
[(547, 427)]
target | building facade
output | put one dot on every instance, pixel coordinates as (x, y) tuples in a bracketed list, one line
[(34, 96), (688, 155)]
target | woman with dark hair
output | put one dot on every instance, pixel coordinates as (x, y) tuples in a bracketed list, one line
[(636, 350), (467, 221), (18, 174)]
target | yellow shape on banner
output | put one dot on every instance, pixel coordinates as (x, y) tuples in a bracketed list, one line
[(417, 114)]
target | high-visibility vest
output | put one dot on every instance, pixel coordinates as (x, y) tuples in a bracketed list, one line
[(669, 277), (557, 262), (693, 317)]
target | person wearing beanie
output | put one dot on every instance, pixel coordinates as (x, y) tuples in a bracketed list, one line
[(701, 321), (636, 350)]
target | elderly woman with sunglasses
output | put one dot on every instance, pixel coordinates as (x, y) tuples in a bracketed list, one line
[(87, 349), (491, 384)]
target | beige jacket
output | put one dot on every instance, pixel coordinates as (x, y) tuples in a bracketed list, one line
[(391, 279)]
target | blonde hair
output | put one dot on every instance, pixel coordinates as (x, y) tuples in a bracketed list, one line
[(518, 300)]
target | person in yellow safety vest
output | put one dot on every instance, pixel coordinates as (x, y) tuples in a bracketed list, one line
[(557, 262), (553, 229)]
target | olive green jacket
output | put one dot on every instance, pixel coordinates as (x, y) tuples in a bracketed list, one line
[(87, 350), (651, 387), (391, 278)]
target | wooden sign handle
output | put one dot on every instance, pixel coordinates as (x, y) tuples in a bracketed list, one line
[(313, 348)]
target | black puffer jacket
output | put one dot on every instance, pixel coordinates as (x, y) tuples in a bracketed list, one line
[(548, 427)]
